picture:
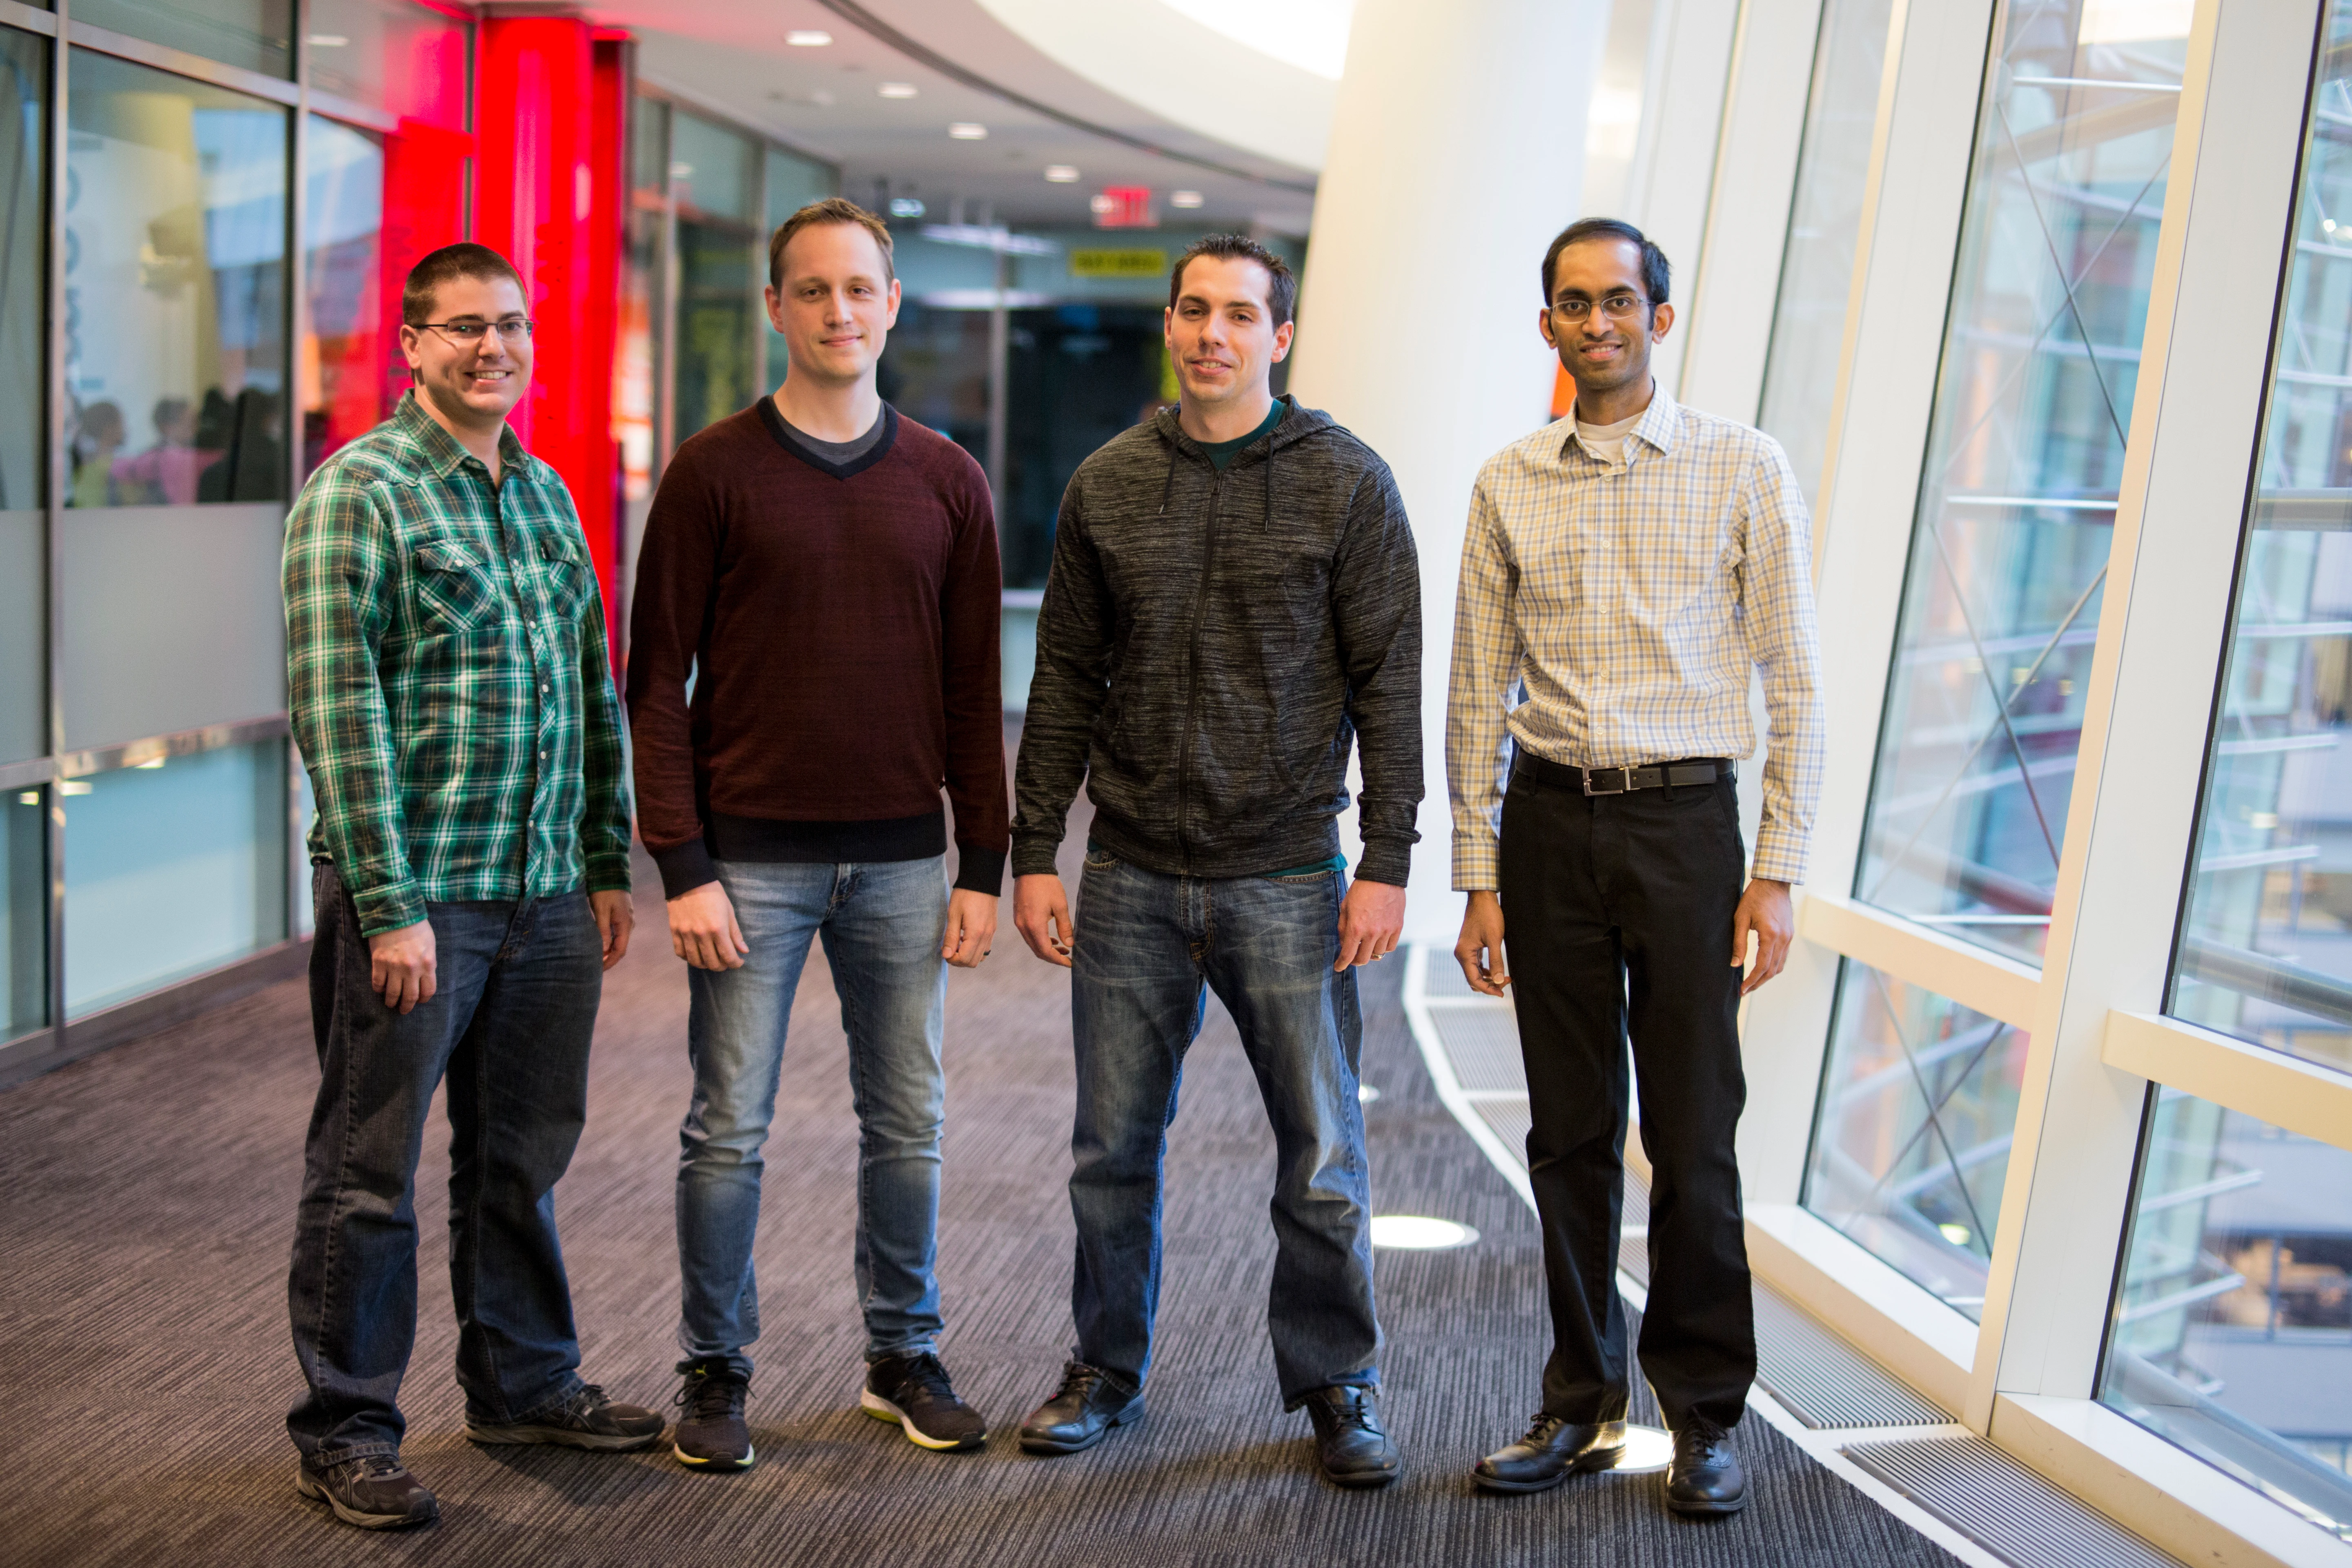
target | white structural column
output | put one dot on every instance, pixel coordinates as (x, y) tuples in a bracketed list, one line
[(1682, 125), (1457, 153)]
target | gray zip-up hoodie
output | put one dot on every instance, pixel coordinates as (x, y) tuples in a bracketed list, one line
[(1209, 645)]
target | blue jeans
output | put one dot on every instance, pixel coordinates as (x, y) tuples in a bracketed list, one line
[(508, 1025), (882, 924), (1148, 947)]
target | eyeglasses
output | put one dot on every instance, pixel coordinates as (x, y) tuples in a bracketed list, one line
[(470, 332), (1616, 307)]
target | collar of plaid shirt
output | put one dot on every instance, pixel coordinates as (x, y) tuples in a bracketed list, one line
[(1633, 601), (448, 676)]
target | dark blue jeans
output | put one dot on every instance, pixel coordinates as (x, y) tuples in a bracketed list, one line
[(508, 1025), (1149, 948)]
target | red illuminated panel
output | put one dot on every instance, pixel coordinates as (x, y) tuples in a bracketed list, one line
[(1125, 207)]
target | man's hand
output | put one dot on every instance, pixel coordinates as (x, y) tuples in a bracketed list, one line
[(1371, 917), (702, 929), (401, 965), (1042, 915), (615, 919), (1479, 950), (1763, 909), (972, 928)]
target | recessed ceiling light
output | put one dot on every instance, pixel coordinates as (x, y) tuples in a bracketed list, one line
[(906, 207), (968, 131), (1419, 1233), (1062, 174), (808, 38), (896, 89), (1100, 204), (327, 41), (1184, 198)]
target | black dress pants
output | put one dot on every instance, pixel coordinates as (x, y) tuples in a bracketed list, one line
[(1617, 909)]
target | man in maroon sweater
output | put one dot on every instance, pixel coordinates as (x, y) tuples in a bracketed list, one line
[(823, 573)]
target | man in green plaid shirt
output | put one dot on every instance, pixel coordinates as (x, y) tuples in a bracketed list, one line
[(448, 676)]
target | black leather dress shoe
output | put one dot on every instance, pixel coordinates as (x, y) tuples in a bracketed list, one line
[(1086, 1406), (1705, 1477), (1350, 1445), (1552, 1451)]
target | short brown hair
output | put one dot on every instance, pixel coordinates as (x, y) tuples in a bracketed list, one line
[(832, 209), (463, 259), (1282, 285)]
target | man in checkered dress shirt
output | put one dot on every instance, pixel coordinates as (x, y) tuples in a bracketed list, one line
[(1624, 574)]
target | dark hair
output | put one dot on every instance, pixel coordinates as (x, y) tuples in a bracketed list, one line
[(465, 260), (1655, 273), (832, 209), (1282, 284)]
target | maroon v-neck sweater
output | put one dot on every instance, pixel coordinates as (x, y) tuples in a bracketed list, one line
[(840, 622)]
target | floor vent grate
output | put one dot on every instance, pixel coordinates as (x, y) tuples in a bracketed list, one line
[(1441, 977), (1483, 1044), (2003, 1506), (1824, 1380), (1509, 1117)]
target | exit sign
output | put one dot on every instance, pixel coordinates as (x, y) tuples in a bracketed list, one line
[(1124, 206)]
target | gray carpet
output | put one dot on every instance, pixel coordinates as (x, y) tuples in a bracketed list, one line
[(145, 1201)]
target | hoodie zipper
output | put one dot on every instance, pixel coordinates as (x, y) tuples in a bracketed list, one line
[(1192, 674)]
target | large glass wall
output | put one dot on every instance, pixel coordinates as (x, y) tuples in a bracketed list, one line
[(1984, 706), (1824, 228), (349, 372), (252, 35), (24, 446), (2266, 945)]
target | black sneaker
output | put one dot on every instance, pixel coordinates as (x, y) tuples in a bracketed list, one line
[(914, 1391), (712, 1433), (374, 1493), (586, 1420)]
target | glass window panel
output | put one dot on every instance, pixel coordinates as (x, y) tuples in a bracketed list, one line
[(397, 56), (24, 103), (176, 288), (2025, 450), (649, 145), (24, 912), (173, 869), (347, 370), (1825, 230), (637, 362), (256, 35), (718, 322), (793, 182), (1911, 1143), (2266, 945), (710, 167), (172, 620), (23, 635), (305, 918), (1078, 374), (2232, 1332)]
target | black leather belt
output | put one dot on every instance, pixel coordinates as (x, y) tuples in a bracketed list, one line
[(1619, 781)]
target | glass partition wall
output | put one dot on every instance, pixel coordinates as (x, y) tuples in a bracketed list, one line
[(209, 352)]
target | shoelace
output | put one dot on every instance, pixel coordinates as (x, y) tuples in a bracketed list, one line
[(710, 1394), (926, 1374), (1542, 1425), (1077, 1378), (1356, 1413), (373, 1467)]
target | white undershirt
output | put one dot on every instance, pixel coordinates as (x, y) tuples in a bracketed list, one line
[(1607, 442)]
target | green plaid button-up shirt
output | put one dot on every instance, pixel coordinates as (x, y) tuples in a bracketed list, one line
[(449, 679)]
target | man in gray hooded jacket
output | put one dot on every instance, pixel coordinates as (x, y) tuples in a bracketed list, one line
[(1233, 599)]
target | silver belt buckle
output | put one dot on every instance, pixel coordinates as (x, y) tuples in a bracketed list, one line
[(1624, 780)]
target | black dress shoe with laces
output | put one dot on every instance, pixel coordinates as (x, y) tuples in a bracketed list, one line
[(914, 1392), (1552, 1451), (1350, 1445), (712, 1432), (374, 1493), (1088, 1406), (1705, 1477)]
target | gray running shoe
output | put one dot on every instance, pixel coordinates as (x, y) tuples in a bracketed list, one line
[(586, 1420), (374, 1493)]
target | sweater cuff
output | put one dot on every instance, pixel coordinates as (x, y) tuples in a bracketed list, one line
[(980, 871), (1034, 857), (684, 867), (1386, 863)]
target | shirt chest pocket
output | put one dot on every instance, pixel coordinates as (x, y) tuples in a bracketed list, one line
[(1672, 572), (456, 586), (566, 576)]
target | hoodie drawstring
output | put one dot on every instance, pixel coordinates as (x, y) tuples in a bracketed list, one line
[(1170, 483)]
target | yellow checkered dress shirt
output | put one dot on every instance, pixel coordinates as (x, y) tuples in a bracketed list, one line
[(1609, 614)]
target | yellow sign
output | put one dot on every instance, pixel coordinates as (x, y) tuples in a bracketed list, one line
[(1119, 263)]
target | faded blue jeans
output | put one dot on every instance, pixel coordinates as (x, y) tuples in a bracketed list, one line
[(509, 1029), (881, 924), (1149, 948)]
